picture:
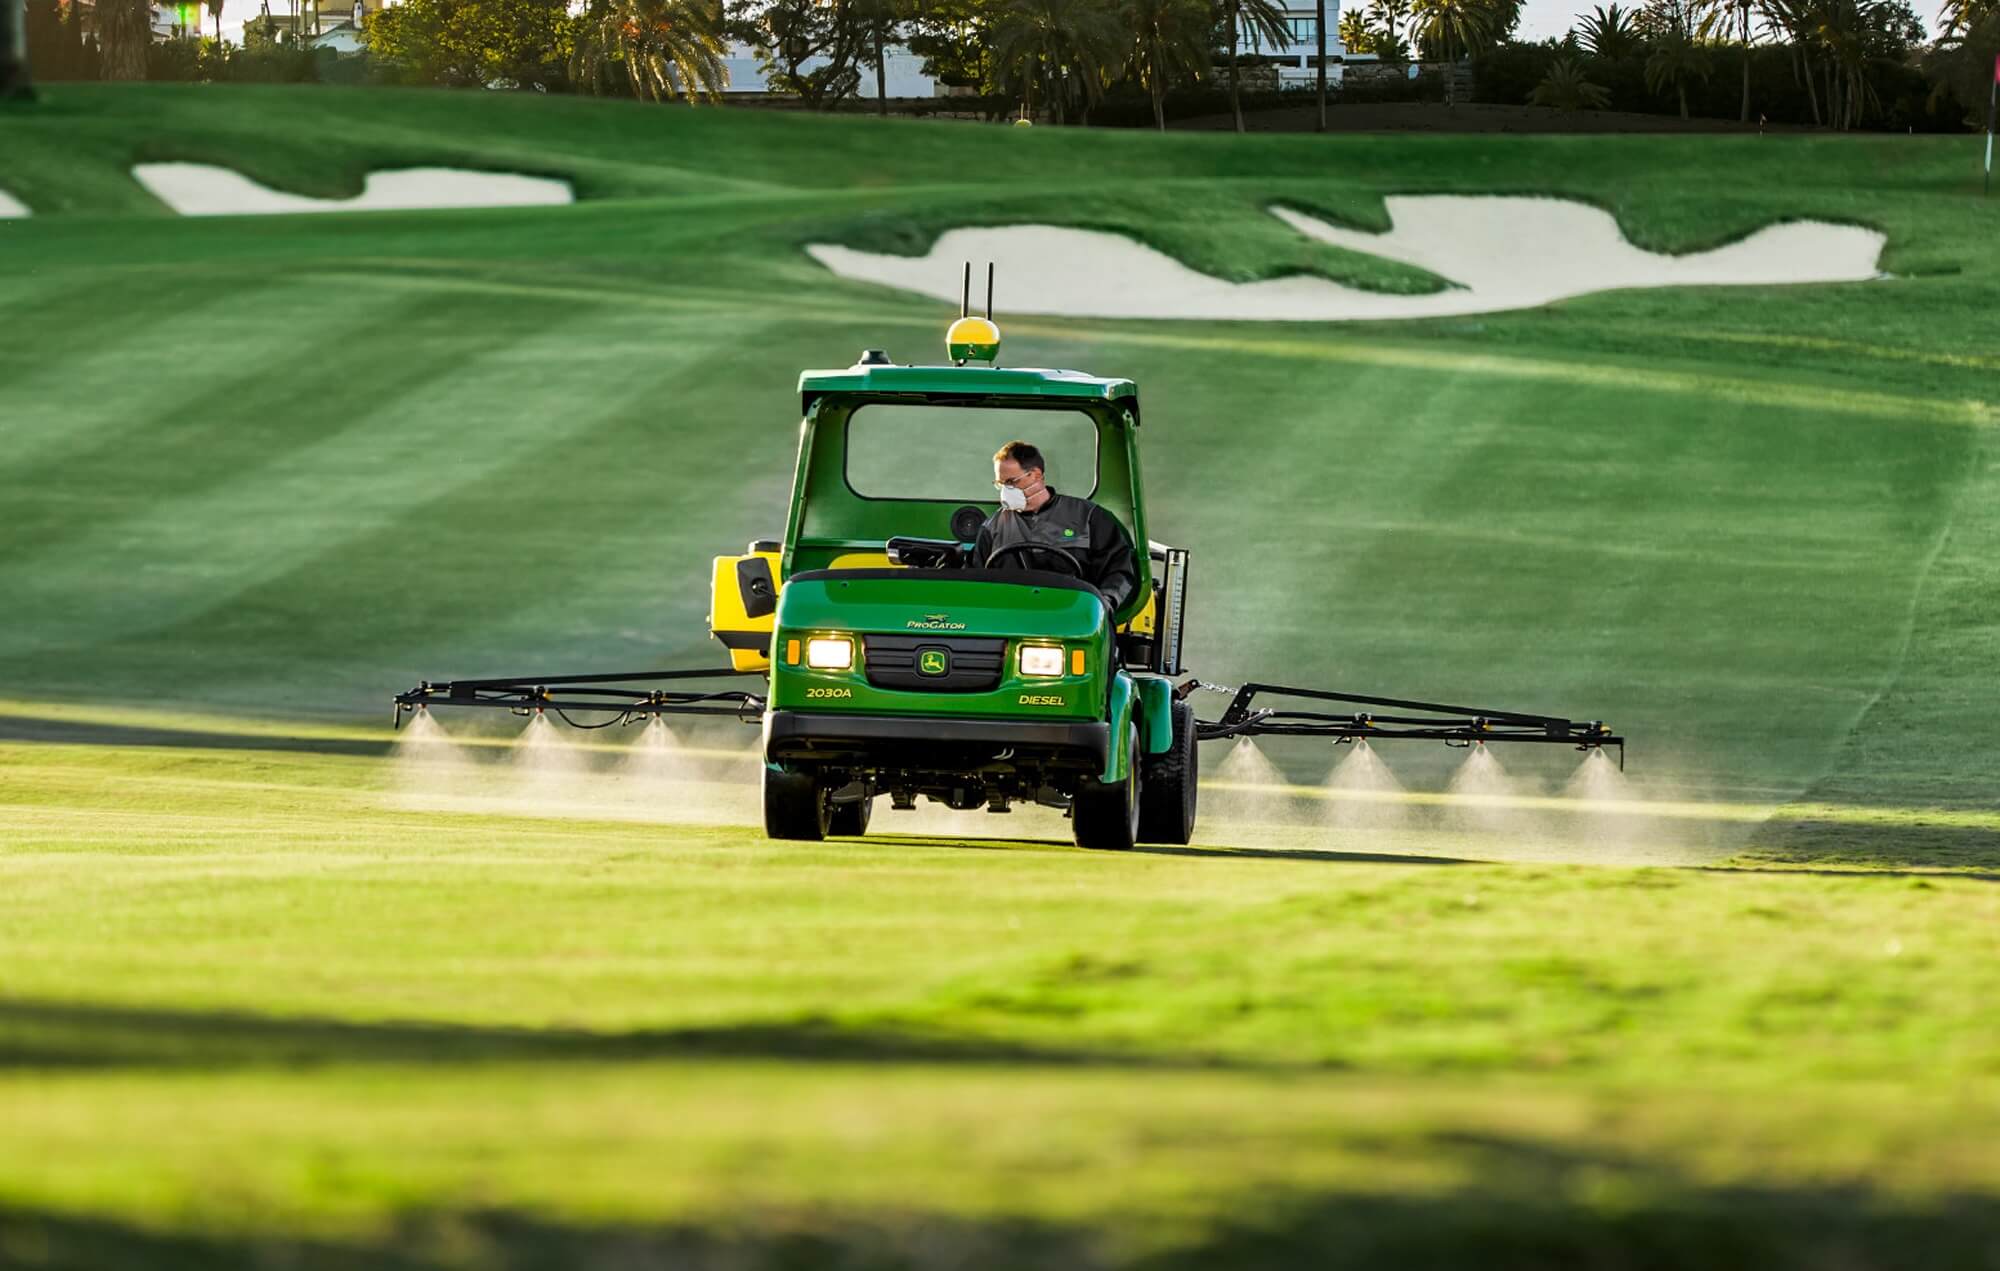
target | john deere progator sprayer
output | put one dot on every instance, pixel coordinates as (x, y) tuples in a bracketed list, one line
[(893, 661)]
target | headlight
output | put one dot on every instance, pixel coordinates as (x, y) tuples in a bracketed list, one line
[(830, 653), (1041, 660)]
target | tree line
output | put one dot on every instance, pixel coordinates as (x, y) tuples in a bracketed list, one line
[(1840, 64), (1831, 63), (1053, 60)]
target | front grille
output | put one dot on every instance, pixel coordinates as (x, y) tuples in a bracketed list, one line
[(973, 663)]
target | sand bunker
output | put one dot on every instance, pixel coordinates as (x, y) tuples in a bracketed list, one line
[(11, 206), (200, 189), (1500, 253)]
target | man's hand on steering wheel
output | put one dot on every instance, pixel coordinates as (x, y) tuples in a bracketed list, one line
[(1075, 567)]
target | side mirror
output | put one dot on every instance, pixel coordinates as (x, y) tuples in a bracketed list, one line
[(758, 588)]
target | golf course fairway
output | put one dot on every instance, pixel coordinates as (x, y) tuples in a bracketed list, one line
[(272, 995)]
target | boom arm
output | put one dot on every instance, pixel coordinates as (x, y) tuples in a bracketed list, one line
[(525, 693), (1435, 721)]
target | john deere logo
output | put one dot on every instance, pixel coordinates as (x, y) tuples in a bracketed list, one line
[(935, 622), (933, 662)]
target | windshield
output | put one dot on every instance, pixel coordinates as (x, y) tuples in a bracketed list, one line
[(944, 453)]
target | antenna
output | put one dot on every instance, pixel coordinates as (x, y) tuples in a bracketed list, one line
[(989, 290), (965, 295)]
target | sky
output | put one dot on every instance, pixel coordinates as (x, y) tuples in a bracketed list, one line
[(1544, 19)]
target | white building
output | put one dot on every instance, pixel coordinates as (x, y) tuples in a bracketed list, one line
[(343, 36), (1297, 60)]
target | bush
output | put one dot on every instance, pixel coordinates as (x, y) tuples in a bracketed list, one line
[(1507, 75), (207, 60), (472, 43), (1568, 89)]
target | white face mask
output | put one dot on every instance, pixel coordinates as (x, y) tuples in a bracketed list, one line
[(1013, 500)]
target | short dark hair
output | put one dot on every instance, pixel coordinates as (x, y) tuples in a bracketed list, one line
[(1023, 453)]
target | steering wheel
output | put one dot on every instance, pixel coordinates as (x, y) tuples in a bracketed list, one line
[(1075, 569)]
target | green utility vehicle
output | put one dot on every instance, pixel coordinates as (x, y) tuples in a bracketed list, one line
[(899, 664)]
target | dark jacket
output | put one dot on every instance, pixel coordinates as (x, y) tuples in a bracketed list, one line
[(1077, 526)]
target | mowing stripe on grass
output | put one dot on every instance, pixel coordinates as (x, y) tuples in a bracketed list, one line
[(102, 359), (1458, 360), (189, 552)]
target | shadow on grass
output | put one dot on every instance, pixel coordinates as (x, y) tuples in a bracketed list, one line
[(1664, 1225), (1860, 873), (1199, 853), (1904, 846), (994, 844), (1307, 854), (66, 732), (59, 1035)]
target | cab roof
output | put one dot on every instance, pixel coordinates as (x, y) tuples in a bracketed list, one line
[(960, 380)]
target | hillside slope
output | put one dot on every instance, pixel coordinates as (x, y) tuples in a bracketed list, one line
[(282, 466)]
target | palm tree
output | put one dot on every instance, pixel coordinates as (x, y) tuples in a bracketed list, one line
[(1355, 36), (1789, 20), (1854, 34), (1063, 48), (667, 48), (1719, 20), (1838, 44), (1456, 26), (124, 33), (1609, 32), (1390, 18), (1261, 20), (1956, 17), (1675, 61), (1169, 37), (1960, 62), (1566, 89)]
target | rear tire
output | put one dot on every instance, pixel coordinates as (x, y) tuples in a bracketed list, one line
[(1167, 795), (850, 820), (1104, 817), (795, 808)]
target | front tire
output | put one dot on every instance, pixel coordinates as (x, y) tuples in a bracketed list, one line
[(1104, 817), (795, 808), (1167, 796)]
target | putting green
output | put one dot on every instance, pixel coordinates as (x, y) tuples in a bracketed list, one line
[(260, 473)]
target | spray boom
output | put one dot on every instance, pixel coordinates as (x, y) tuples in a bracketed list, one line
[(1432, 721), (530, 695)]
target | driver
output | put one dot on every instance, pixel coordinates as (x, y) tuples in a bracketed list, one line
[(1031, 511)]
